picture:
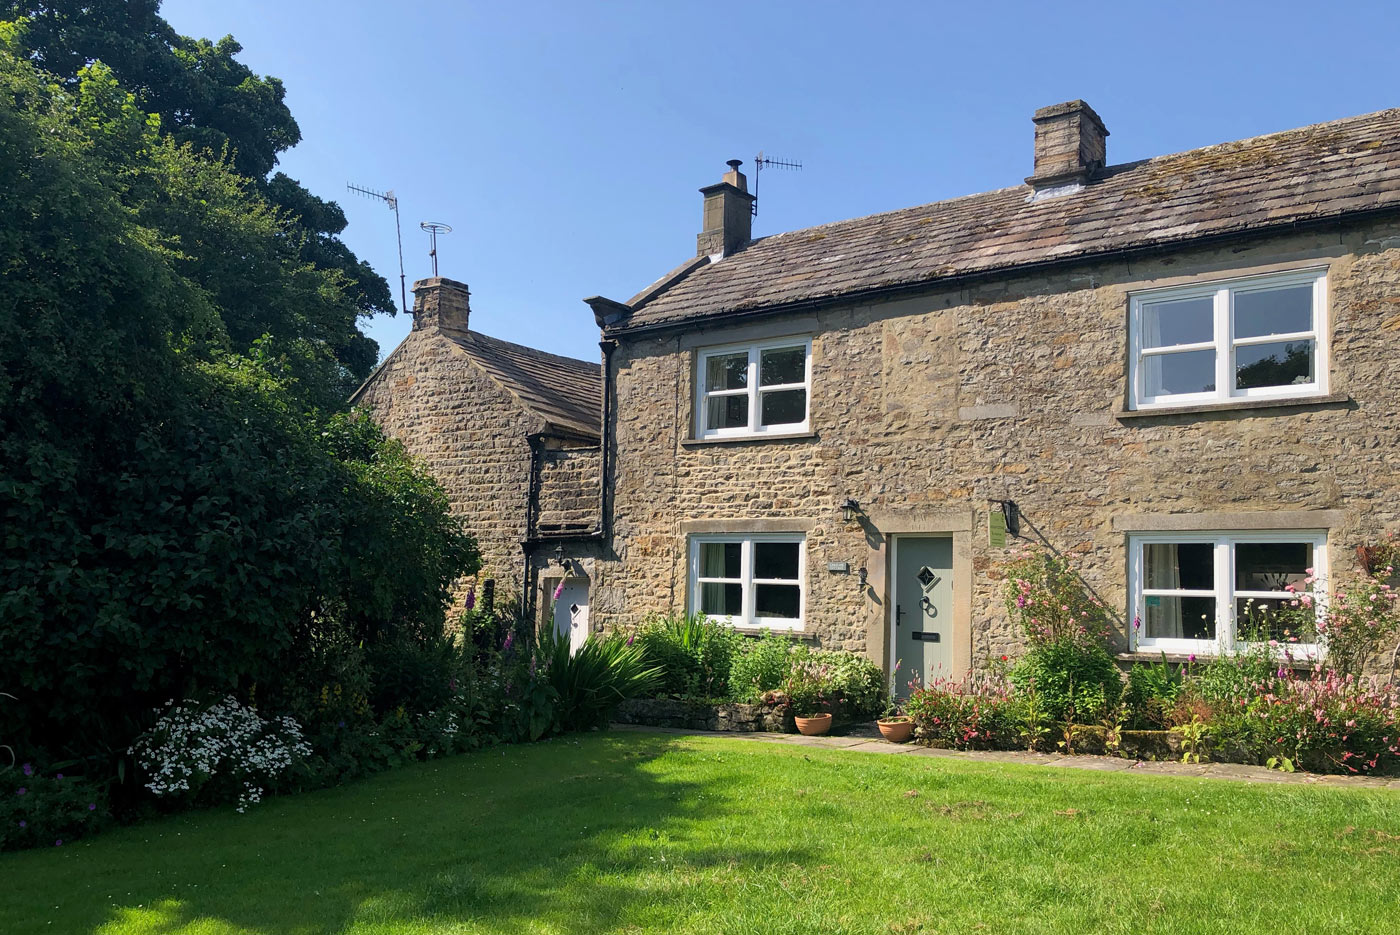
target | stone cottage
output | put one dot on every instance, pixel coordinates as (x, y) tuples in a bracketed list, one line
[(513, 435), (1180, 371)]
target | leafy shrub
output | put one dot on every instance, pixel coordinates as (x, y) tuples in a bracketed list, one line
[(217, 752), (1234, 678), (981, 711), (1046, 595), (1151, 692), (593, 681), (1075, 680), (763, 665), (808, 688), (1323, 721), (46, 808), (695, 654), (855, 684)]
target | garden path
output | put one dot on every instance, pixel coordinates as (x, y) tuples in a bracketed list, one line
[(864, 738)]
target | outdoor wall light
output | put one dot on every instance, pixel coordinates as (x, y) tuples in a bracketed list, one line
[(849, 509), (864, 577), (559, 553)]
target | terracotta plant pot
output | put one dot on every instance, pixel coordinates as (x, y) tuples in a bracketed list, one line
[(896, 730), (811, 726)]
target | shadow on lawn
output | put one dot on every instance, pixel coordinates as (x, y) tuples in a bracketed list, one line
[(550, 835)]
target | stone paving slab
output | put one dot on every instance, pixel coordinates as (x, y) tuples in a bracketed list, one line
[(861, 740)]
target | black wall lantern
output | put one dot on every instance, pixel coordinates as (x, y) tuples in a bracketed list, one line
[(849, 509), (1012, 512)]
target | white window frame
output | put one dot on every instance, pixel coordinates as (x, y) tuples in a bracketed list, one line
[(1224, 342), (746, 618), (1225, 594), (753, 391)]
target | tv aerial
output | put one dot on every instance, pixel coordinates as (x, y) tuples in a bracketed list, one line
[(392, 200), (434, 228), (759, 162)]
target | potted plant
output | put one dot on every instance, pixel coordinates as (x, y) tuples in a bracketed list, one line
[(806, 693), (895, 726)]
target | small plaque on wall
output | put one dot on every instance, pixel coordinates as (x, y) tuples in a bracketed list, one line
[(997, 526), (839, 568)]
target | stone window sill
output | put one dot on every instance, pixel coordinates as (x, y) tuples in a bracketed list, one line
[(749, 439), (1331, 400)]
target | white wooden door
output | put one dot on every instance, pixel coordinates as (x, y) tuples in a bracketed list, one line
[(571, 612)]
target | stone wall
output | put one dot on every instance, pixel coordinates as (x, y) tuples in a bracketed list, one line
[(935, 406), (689, 715), (471, 434), (569, 485)]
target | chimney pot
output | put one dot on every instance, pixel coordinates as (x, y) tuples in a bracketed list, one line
[(440, 304), (728, 218), (1069, 145)]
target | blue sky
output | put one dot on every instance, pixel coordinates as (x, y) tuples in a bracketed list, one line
[(565, 141)]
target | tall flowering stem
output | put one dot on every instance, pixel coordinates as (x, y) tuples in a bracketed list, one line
[(1052, 603)]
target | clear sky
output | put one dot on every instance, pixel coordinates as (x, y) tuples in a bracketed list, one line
[(565, 141)]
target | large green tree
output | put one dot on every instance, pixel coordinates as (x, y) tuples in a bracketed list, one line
[(207, 98), (178, 515)]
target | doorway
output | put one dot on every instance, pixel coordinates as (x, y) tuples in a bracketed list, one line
[(571, 612), (921, 613)]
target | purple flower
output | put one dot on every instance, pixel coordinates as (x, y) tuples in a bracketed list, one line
[(60, 776), (1191, 658), (1137, 623), (92, 806), (23, 823), (559, 590), (21, 790), (510, 640), (341, 724), (29, 769), (58, 843), (630, 638), (471, 597)]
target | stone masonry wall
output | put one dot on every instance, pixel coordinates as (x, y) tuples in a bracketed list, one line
[(568, 487), (1009, 391), (472, 435)]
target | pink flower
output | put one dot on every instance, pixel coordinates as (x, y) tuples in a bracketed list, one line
[(559, 590)]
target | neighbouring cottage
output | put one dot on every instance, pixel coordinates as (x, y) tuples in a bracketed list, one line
[(511, 432), (1181, 370)]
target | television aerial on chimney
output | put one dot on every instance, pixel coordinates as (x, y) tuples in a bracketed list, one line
[(759, 162), (392, 200), (434, 228)]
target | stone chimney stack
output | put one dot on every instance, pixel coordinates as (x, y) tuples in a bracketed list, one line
[(440, 304), (728, 220), (1069, 145)]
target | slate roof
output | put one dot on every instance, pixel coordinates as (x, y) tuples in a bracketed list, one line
[(1308, 175), (564, 391)]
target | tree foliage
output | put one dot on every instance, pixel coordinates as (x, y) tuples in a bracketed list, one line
[(208, 99), (178, 516)]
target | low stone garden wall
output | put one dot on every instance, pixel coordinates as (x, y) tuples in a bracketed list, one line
[(692, 715)]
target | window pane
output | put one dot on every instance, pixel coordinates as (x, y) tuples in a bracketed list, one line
[(727, 412), (1185, 321), (775, 560), (1260, 620), (1272, 566), (777, 600), (722, 600), (1178, 618), (1273, 311), (1184, 566), (782, 365), (783, 407), (1187, 372), (727, 371), (720, 559), (1273, 364)]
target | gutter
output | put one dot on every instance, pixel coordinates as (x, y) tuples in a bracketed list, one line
[(924, 285)]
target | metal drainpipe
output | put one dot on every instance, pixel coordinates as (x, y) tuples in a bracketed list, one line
[(605, 437), (527, 595)]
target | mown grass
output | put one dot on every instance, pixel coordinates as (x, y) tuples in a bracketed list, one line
[(634, 832)]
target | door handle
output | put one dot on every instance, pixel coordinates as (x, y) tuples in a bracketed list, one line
[(898, 614)]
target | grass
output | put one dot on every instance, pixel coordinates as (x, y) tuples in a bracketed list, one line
[(634, 832)]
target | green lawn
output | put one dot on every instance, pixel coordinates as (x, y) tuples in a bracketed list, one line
[(648, 833)]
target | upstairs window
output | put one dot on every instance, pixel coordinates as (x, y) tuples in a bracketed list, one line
[(1263, 337), (754, 389), (748, 580)]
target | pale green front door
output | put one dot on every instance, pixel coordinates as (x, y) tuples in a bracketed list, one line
[(923, 609)]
